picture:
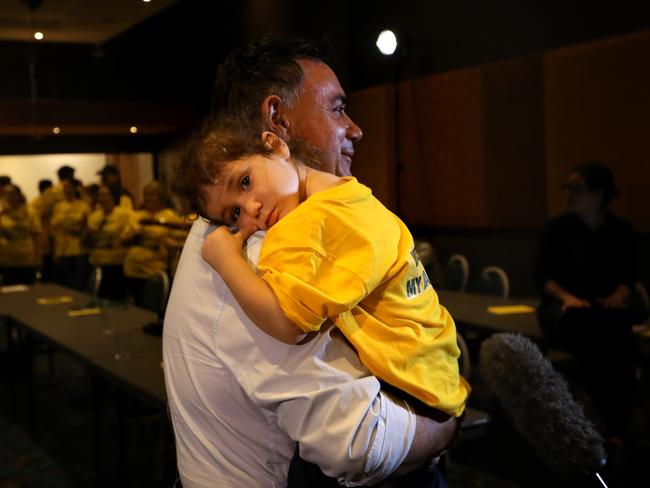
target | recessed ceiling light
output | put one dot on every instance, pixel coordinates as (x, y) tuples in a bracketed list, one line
[(146, 1), (38, 36), (56, 130), (133, 129)]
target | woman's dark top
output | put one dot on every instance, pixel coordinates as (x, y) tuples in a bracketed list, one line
[(587, 263)]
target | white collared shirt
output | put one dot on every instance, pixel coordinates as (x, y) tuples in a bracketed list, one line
[(239, 399)]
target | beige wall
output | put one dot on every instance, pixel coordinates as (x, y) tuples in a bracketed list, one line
[(27, 170)]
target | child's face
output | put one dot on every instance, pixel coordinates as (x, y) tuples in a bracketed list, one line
[(257, 190)]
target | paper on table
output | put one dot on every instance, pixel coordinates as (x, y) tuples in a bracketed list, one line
[(13, 288), (55, 300), (84, 311), (510, 309)]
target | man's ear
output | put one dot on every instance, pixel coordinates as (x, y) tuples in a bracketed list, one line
[(274, 115)]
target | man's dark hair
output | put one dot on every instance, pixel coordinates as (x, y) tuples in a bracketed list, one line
[(65, 173), (597, 176), (44, 185), (5, 180), (264, 67)]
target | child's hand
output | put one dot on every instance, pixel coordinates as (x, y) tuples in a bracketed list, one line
[(221, 246)]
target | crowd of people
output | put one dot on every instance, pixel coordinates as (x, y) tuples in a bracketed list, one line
[(71, 228)]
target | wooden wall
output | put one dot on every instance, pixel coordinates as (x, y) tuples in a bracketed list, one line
[(597, 106), (489, 147)]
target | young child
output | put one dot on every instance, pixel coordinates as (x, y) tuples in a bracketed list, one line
[(332, 251)]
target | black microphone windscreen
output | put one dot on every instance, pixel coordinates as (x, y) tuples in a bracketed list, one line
[(538, 400)]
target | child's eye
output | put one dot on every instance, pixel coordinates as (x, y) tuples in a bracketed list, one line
[(234, 214), (245, 182)]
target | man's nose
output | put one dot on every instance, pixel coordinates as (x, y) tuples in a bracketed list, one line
[(353, 131)]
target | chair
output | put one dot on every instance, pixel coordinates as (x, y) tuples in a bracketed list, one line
[(94, 281), (155, 292), (456, 273), (493, 280), (429, 258), (464, 363), (474, 419), (639, 297)]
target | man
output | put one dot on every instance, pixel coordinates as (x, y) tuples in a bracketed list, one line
[(110, 176), (4, 182), (239, 400), (42, 205)]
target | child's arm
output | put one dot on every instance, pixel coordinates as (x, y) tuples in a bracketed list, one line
[(222, 251)]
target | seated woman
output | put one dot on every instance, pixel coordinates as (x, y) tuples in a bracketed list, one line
[(19, 226), (147, 233), (586, 272), (103, 237)]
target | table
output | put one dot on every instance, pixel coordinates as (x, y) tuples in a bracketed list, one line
[(93, 340), (470, 312)]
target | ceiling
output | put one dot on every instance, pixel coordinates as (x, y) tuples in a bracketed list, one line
[(74, 21)]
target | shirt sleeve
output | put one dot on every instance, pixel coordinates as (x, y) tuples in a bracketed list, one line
[(627, 254), (546, 258), (359, 447), (310, 287)]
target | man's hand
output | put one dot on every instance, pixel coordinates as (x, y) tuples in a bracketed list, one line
[(616, 299), (221, 246), (571, 301)]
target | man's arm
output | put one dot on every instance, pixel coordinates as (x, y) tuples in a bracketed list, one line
[(432, 438)]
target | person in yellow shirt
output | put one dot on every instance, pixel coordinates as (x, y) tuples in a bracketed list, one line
[(43, 243), (68, 225), (147, 233), (110, 176), (104, 238), (19, 227), (332, 251)]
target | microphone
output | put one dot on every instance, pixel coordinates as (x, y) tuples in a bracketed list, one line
[(539, 403)]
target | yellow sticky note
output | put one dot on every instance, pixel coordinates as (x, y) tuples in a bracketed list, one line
[(55, 300), (84, 311), (510, 309)]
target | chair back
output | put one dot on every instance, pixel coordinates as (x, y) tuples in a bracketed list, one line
[(493, 280), (464, 362), (155, 293), (429, 257), (94, 281), (639, 297), (456, 273)]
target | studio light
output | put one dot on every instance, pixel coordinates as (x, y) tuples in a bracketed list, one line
[(133, 129), (387, 42), (38, 36)]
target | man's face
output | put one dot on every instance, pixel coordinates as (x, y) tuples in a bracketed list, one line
[(318, 117)]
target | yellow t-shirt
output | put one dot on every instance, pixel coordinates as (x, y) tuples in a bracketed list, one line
[(106, 232), (342, 255), (68, 219), (125, 202), (149, 256), (18, 227)]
